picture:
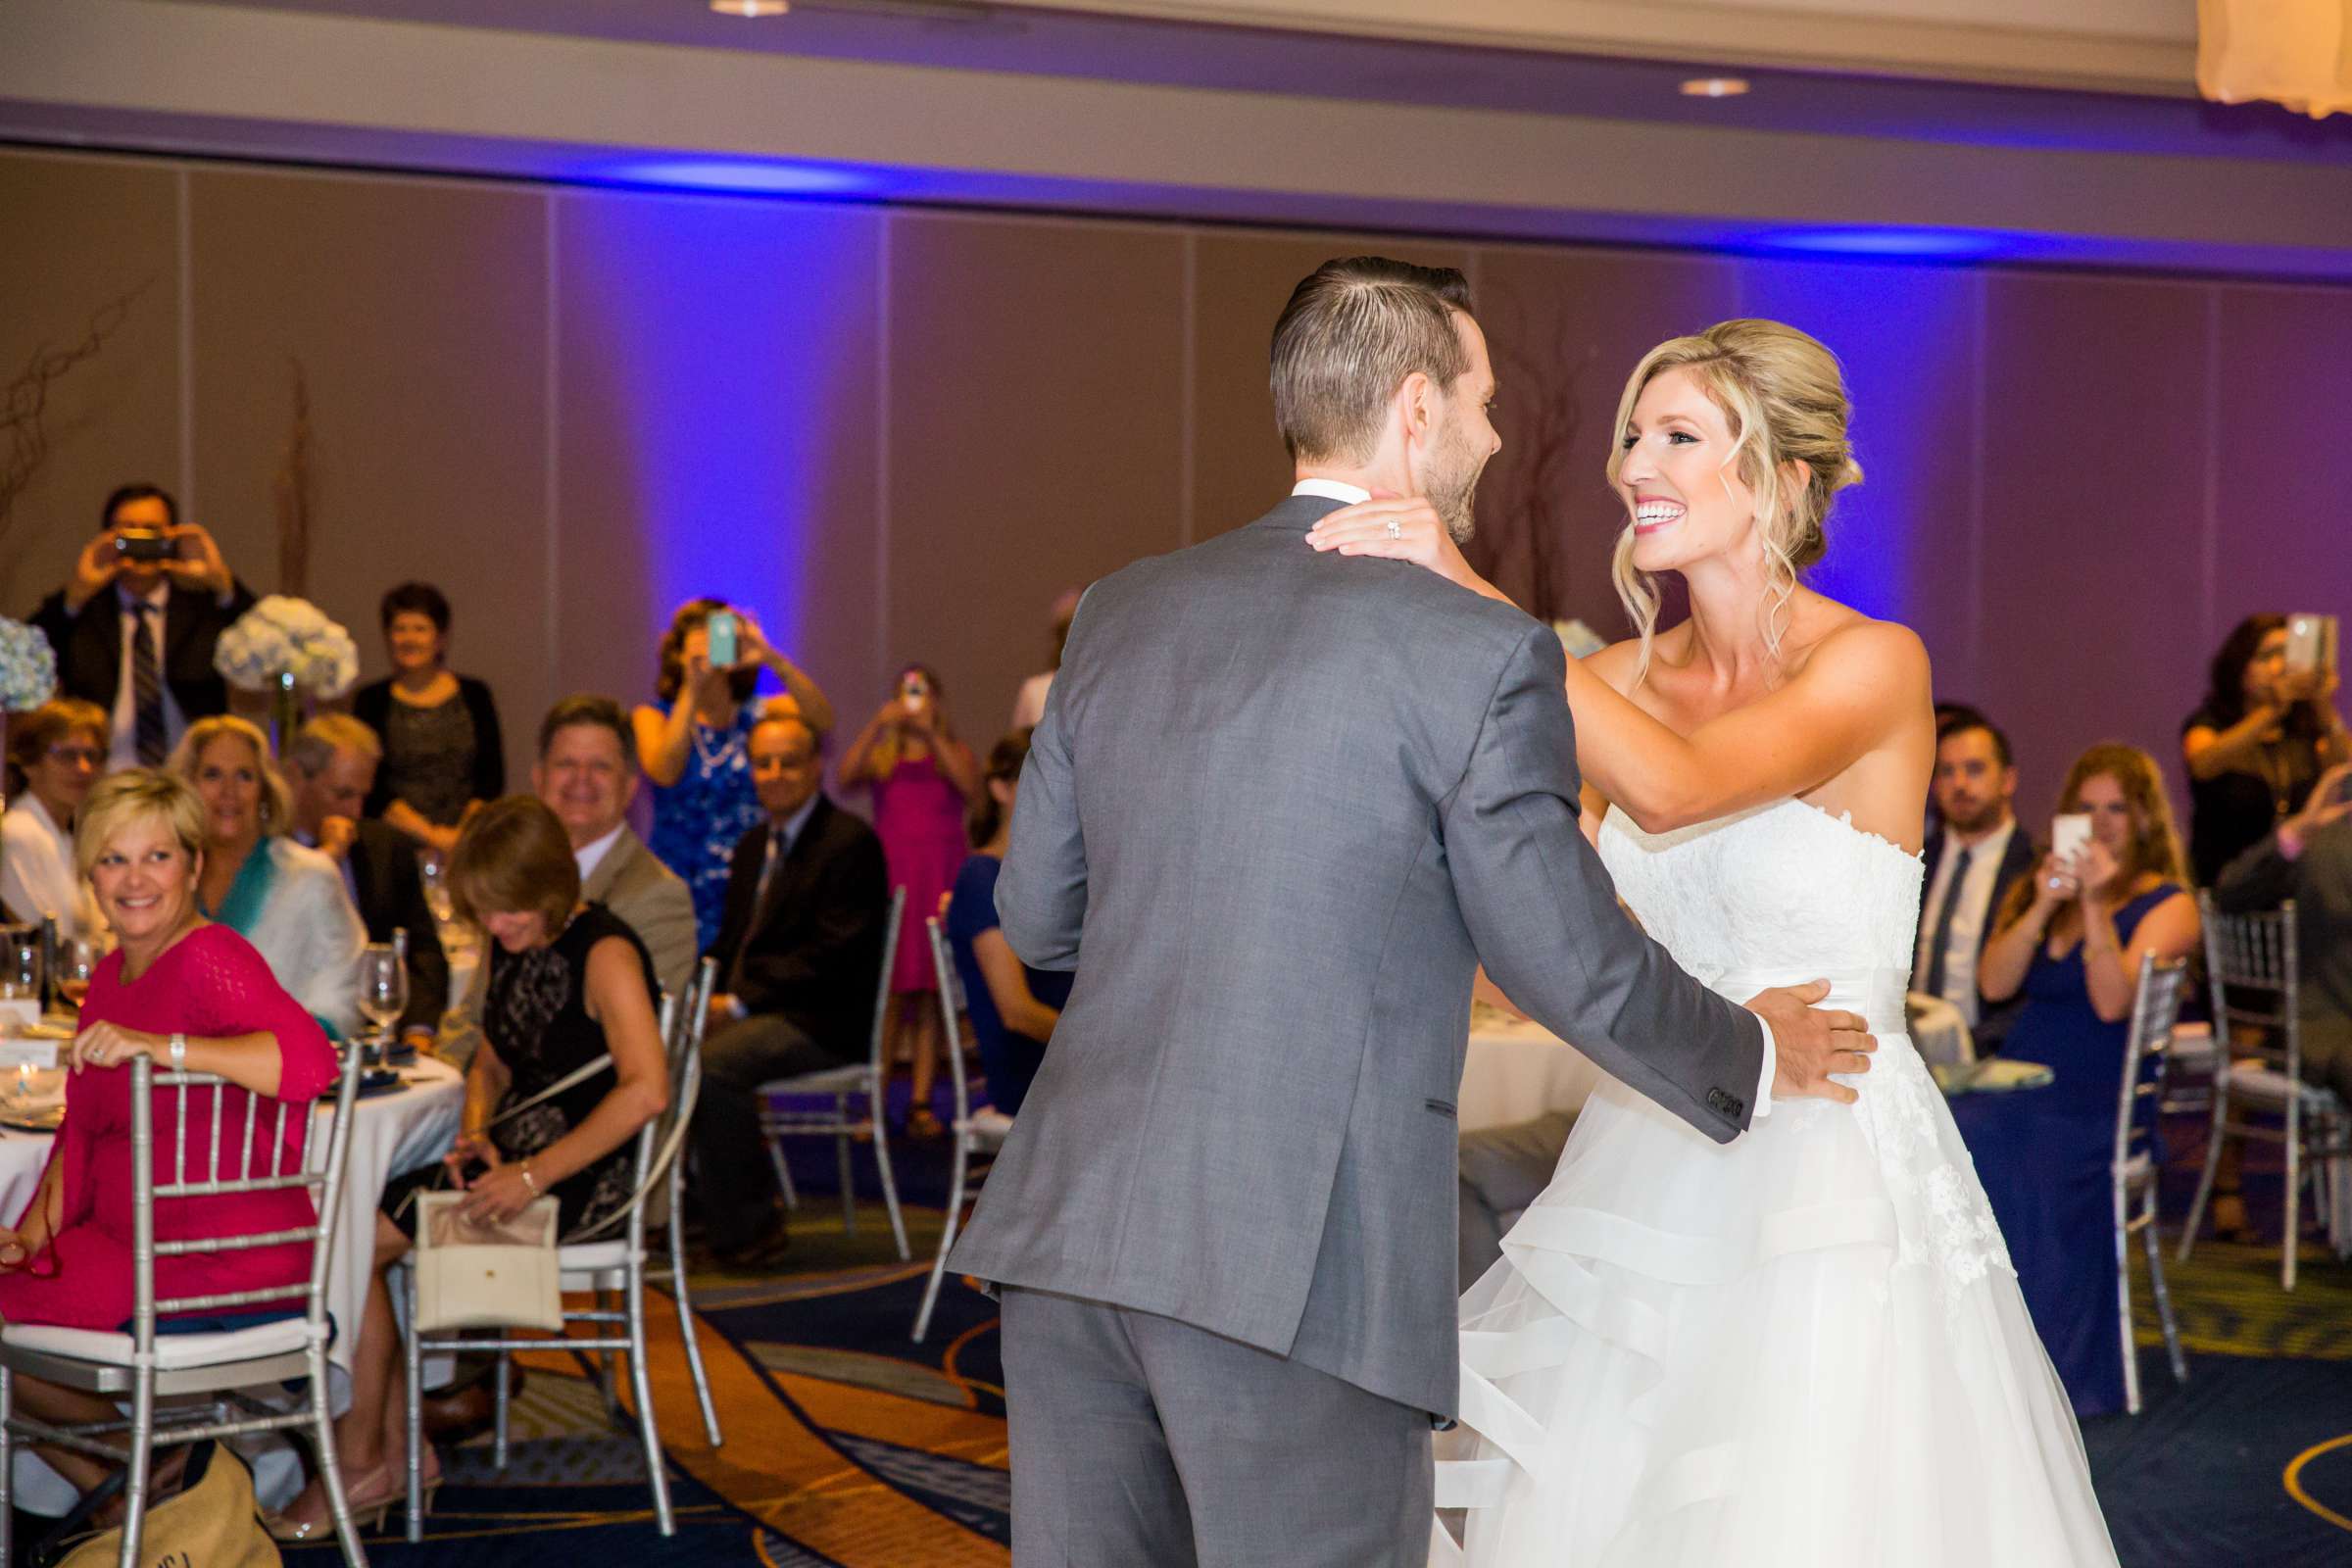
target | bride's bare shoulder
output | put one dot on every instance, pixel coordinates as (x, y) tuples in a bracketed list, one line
[(1830, 639)]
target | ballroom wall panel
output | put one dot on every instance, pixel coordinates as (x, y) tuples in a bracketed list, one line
[(896, 433), (416, 312), (76, 236)]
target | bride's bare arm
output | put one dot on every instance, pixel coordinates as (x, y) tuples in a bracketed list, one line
[(1852, 695)]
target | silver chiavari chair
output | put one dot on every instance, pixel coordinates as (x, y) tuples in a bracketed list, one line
[(2155, 1008), (686, 1024), (2258, 1035), (860, 1085), (977, 1133), (593, 1265), (270, 1154)]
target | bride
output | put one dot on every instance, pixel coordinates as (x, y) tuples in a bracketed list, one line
[(1806, 1345)]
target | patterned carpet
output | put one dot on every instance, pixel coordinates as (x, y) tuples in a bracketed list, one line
[(849, 1447)]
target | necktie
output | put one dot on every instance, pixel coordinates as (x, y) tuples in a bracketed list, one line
[(147, 690), (1941, 936)]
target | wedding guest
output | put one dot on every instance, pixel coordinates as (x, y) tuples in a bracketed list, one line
[(2070, 941), (587, 776), (179, 991), (135, 631), (800, 952), (1030, 705), (922, 777), (569, 981), (2256, 744), (57, 751), (1975, 854), (1014, 1007), (2309, 859), (287, 901), (443, 756), (695, 747), (331, 769)]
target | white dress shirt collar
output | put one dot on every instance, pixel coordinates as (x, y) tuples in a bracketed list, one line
[(592, 854), (1330, 490)]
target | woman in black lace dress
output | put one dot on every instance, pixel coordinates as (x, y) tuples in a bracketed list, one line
[(569, 983)]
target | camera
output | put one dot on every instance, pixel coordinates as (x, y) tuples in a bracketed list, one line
[(145, 545)]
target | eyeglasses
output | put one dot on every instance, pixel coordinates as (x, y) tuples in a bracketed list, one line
[(78, 753)]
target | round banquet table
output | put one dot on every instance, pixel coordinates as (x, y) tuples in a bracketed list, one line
[(1516, 1070)]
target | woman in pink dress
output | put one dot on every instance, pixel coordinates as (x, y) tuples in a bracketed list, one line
[(921, 776), (180, 990)]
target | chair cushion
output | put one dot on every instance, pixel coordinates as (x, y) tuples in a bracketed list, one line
[(824, 1081), (172, 1351), (987, 1127), (584, 1259), (2137, 1171), (2258, 1080)]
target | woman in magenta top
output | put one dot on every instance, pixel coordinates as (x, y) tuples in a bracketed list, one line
[(67, 1259), (921, 776)]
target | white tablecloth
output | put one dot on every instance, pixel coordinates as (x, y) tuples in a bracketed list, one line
[(390, 1134), (1516, 1071)]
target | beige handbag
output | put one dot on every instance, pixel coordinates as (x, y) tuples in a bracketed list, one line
[(486, 1274)]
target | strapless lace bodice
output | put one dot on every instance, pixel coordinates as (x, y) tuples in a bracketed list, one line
[(1783, 887)]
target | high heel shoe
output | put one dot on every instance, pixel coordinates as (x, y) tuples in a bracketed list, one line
[(370, 1508)]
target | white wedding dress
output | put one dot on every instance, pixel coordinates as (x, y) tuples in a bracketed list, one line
[(1805, 1346)]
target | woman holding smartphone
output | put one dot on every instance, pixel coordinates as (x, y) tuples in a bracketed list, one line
[(2071, 938), (2266, 730), (921, 776), (694, 744)]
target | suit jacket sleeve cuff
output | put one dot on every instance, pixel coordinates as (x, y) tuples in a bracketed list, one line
[(1772, 1061)]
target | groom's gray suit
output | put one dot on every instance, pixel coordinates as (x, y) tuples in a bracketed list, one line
[(1280, 807)]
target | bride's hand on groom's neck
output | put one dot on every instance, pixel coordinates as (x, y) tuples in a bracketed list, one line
[(1810, 1043)]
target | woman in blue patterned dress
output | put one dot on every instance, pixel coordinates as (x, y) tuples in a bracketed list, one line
[(694, 746)]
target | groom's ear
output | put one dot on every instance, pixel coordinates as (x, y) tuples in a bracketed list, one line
[(1416, 407)]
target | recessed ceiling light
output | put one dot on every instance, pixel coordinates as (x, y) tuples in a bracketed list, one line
[(751, 8), (1697, 87)]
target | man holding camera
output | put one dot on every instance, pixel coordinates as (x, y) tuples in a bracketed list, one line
[(136, 627)]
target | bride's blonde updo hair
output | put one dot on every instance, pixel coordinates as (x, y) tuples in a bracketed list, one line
[(1784, 396)]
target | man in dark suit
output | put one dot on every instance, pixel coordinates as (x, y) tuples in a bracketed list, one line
[(1975, 855), (799, 950), (330, 767), (136, 627)]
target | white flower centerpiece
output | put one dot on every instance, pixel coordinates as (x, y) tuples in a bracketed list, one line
[(289, 649), (28, 671)]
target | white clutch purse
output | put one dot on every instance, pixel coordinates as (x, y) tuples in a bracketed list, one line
[(478, 1274)]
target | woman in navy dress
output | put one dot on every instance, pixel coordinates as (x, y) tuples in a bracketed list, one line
[(1014, 1007), (2071, 939)]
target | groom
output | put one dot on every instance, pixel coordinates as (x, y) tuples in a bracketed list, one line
[(1280, 808)]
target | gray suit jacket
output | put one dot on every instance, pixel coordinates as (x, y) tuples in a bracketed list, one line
[(1281, 807), (650, 898)]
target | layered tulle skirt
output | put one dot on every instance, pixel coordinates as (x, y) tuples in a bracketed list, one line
[(1804, 1348)]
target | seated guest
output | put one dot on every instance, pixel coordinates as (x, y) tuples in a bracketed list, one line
[(1029, 706), (800, 953), (2070, 942), (135, 633), (1014, 1007), (2256, 744), (1975, 855), (693, 744), (58, 751), (287, 901), (331, 769), (587, 776), (2309, 859), (179, 991), (569, 983), (442, 752)]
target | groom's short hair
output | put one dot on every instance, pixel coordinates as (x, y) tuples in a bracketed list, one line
[(1354, 329)]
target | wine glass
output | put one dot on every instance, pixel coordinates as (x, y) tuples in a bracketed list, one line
[(383, 987), (21, 964), (76, 959)]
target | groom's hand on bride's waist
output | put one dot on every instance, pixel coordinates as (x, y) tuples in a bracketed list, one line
[(1810, 1043)]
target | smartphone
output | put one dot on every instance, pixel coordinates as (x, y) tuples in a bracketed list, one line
[(145, 545), (721, 627), (2070, 834), (2309, 643)]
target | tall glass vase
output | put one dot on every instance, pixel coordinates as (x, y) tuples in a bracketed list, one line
[(285, 713)]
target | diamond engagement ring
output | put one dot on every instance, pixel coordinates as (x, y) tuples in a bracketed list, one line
[(1396, 529)]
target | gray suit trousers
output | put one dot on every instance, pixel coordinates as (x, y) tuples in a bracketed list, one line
[(1139, 1442)]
